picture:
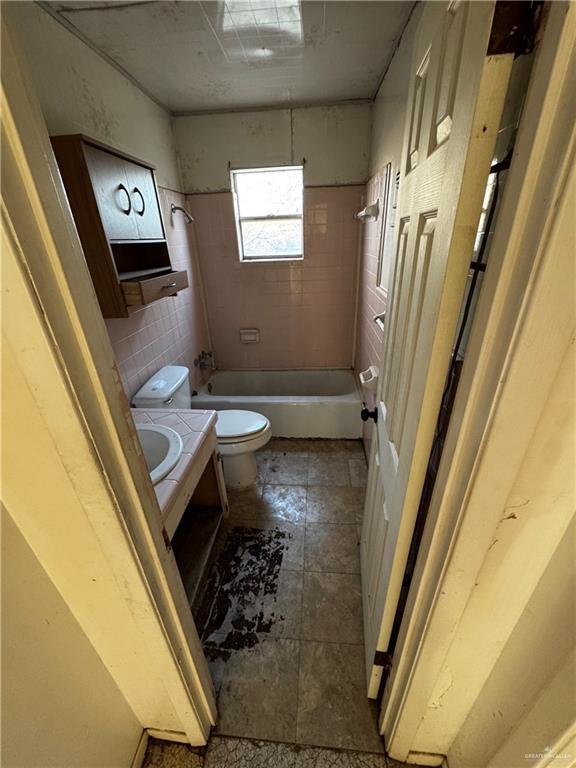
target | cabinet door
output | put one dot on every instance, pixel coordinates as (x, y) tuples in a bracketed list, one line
[(111, 187), (145, 207)]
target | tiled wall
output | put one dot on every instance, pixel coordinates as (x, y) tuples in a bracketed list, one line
[(305, 310), (371, 299), (169, 331)]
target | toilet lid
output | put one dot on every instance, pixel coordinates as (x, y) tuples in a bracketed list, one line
[(239, 423)]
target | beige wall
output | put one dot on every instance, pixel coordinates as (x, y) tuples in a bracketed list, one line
[(334, 140), (60, 706), (81, 93), (541, 645), (390, 103), (539, 510)]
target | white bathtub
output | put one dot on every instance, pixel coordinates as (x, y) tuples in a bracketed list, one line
[(298, 403)]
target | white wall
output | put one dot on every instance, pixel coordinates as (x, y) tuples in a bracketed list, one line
[(390, 103), (334, 140), (81, 93), (60, 706)]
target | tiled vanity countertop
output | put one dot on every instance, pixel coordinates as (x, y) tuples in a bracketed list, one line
[(198, 432)]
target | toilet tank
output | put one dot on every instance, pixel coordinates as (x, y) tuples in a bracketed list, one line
[(167, 388)]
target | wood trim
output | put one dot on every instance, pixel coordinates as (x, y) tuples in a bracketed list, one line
[(538, 171), (140, 753), (176, 736)]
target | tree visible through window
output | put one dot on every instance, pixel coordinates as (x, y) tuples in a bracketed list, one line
[(268, 204)]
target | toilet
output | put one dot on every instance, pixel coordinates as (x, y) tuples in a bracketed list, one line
[(240, 433)]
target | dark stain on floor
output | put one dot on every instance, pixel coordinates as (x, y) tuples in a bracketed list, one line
[(239, 599)]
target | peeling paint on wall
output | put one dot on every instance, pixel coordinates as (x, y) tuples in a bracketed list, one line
[(334, 141), (79, 92)]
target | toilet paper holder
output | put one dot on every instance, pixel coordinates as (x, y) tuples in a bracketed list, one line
[(249, 336)]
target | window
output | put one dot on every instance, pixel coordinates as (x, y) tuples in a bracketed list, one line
[(268, 207)]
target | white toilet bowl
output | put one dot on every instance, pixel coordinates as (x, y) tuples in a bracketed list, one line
[(240, 434)]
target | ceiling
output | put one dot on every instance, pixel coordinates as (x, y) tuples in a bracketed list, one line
[(200, 56)]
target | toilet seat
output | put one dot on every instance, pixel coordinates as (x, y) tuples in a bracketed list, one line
[(240, 434), (240, 426)]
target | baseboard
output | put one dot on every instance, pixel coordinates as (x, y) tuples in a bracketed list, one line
[(140, 753), (427, 759), (168, 735)]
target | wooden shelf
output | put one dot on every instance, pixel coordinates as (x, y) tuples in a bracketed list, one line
[(192, 545)]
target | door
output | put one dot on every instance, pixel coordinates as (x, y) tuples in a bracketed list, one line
[(145, 207), (454, 106), (111, 187)]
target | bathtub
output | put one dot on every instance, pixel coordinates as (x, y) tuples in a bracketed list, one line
[(298, 403)]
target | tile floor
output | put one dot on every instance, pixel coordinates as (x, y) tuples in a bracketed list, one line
[(281, 612)]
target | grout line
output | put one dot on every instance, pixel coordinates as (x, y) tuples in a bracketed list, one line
[(301, 622), (333, 573), (333, 642), (314, 522)]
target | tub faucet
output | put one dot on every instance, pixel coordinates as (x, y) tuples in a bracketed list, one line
[(204, 360)]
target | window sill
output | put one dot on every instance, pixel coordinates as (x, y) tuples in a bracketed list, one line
[(279, 260)]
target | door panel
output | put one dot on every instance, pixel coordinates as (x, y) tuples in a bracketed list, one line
[(374, 538), (415, 300), (455, 104), (396, 288), (453, 38)]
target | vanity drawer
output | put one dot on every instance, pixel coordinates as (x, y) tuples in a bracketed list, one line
[(138, 292)]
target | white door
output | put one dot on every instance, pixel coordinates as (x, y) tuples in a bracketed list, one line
[(454, 107)]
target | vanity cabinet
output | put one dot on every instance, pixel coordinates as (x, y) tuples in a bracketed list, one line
[(115, 205)]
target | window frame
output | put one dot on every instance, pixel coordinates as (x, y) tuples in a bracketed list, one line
[(238, 219)]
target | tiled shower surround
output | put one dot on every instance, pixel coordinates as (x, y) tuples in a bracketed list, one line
[(171, 331), (304, 310)]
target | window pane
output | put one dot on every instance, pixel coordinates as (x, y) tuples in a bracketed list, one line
[(269, 193), (272, 238)]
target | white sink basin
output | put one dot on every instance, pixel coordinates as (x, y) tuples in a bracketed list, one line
[(162, 448)]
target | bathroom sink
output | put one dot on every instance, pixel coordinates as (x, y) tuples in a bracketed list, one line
[(162, 448)]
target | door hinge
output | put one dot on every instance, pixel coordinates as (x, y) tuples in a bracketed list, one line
[(166, 538), (383, 659), (514, 27)]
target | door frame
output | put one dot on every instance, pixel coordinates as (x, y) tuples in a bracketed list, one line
[(455, 527), (42, 239)]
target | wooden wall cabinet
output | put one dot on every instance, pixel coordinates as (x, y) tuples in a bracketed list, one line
[(115, 205)]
